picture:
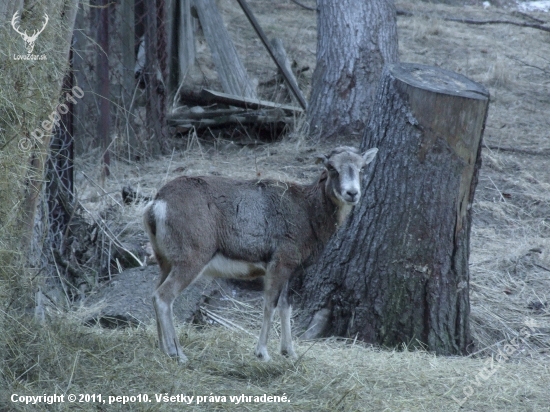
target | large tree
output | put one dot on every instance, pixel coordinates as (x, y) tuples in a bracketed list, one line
[(355, 39), (397, 272), (30, 92)]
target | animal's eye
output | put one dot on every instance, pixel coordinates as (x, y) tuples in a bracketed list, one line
[(331, 169)]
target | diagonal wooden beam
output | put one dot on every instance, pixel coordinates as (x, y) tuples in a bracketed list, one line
[(231, 71), (288, 77)]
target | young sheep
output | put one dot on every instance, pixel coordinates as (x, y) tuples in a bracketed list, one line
[(244, 229)]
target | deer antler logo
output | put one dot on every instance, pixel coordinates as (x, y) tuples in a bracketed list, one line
[(29, 40)]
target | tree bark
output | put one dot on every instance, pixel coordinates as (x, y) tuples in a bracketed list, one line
[(8, 9), (155, 74), (397, 273), (35, 178), (356, 38)]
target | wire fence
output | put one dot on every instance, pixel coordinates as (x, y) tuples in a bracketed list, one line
[(122, 74)]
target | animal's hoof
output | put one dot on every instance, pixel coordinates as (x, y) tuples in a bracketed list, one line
[(263, 356), (289, 353), (179, 357)]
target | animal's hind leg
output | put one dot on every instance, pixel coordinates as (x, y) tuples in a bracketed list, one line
[(285, 312), (274, 281), (180, 276), (165, 269)]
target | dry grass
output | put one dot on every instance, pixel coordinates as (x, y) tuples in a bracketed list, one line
[(331, 375), (510, 258)]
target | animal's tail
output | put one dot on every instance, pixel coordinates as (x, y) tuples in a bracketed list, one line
[(149, 220), (154, 220)]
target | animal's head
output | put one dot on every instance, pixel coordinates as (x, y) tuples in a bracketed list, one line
[(344, 165)]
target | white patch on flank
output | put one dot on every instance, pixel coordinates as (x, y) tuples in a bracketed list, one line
[(223, 267)]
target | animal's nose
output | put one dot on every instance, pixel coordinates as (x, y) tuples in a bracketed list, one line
[(352, 194)]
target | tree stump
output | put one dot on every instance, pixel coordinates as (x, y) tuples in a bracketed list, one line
[(397, 272)]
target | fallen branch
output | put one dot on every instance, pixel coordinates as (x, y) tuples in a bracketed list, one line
[(482, 22), (545, 152), (527, 16), (498, 21), (206, 97), (231, 70), (224, 322), (304, 6), (199, 112), (529, 65), (225, 117)]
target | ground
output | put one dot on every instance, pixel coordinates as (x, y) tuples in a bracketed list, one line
[(510, 243)]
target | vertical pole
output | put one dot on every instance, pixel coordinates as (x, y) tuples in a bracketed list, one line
[(67, 178), (128, 82), (104, 123), (154, 72), (162, 56)]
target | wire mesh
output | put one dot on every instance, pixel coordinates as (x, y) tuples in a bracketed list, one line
[(134, 72)]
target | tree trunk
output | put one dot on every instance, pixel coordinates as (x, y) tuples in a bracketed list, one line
[(398, 270), (355, 39), (155, 74), (35, 178), (8, 9)]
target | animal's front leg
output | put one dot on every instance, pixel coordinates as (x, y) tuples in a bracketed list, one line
[(261, 348)]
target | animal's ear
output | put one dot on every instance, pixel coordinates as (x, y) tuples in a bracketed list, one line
[(369, 155), (321, 159)]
